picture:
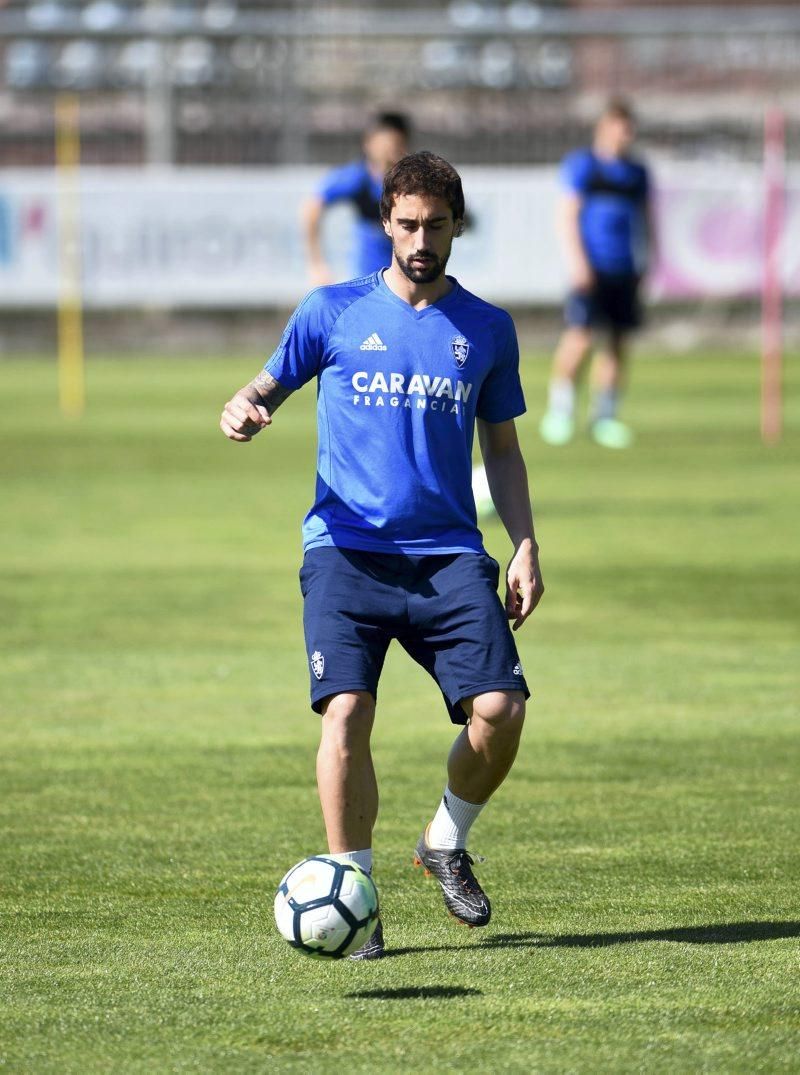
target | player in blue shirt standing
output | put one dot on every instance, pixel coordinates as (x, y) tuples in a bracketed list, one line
[(359, 184), (605, 224), (407, 362)]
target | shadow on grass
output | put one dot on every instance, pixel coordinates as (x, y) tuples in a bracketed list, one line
[(424, 992), (716, 933)]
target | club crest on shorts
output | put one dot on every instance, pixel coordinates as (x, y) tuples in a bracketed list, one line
[(459, 345), (317, 664), (517, 671)]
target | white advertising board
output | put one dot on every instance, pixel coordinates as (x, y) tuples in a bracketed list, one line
[(231, 238)]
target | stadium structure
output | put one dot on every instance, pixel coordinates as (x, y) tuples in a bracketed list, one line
[(490, 81)]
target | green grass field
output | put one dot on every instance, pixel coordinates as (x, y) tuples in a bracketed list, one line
[(156, 751)]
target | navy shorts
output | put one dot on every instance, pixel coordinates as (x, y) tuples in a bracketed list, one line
[(613, 303), (444, 610)]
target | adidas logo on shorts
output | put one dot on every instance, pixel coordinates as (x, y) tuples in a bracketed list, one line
[(373, 343)]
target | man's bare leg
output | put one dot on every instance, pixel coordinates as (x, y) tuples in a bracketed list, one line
[(558, 424), (573, 347), (479, 762), (608, 381), (348, 790), (484, 751), (610, 363)]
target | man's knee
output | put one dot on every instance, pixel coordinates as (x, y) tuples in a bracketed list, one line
[(497, 711), (572, 352), (579, 336), (347, 719)]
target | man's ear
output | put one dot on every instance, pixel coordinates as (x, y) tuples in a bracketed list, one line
[(458, 228), (387, 228)]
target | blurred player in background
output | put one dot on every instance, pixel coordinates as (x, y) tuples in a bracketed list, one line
[(605, 225), (359, 183)]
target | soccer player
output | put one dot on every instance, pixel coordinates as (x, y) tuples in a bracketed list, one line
[(605, 224), (359, 183), (406, 362)]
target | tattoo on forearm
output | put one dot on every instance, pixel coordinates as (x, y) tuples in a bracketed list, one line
[(268, 392)]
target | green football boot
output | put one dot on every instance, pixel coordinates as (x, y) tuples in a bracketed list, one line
[(611, 433), (556, 428)]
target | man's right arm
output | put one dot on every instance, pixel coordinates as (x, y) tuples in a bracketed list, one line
[(251, 409), (319, 271), (569, 230)]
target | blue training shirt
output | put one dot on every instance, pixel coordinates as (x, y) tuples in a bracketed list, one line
[(613, 224), (356, 184), (398, 391)]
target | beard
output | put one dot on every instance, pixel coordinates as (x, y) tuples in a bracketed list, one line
[(423, 267)]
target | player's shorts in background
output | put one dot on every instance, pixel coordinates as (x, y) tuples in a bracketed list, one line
[(444, 611), (613, 302)]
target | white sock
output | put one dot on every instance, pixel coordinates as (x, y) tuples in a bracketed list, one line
[(561, 396), (452, 822), (361, 858)]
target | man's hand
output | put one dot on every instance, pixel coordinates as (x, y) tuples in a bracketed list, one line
[(252, 407), (241, 419), (568, 226), (582, 276), (524, 586)]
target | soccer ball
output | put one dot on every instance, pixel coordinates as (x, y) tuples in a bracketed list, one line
[(324, 907), (484, 505)]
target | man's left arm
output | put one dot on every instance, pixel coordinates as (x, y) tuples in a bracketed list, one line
[(508, 483), (650, 228)]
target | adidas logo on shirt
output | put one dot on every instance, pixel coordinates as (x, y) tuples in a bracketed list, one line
[(373, 343)]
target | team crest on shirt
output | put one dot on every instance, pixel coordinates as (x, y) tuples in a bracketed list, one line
[(459, 345), (317, 664)]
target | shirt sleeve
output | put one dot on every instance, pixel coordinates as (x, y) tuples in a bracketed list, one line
[(298, 357), (501, 397), (575, 172), (341, 184)]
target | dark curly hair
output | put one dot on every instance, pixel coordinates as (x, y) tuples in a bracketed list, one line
[(423, 173)]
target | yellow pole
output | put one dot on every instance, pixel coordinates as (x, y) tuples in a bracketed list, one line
[(71, 377)]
